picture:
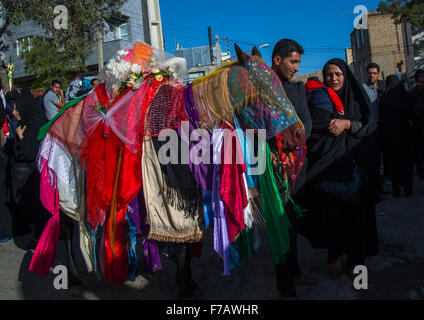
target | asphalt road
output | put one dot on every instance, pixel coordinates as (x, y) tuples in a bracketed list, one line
[(395, 274)]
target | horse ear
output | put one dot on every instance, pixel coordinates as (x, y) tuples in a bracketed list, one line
[(242, 56), (256, 52)]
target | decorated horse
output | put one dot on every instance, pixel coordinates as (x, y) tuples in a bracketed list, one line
[(102, 165)]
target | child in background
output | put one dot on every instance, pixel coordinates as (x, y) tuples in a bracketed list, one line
[(320, 96)]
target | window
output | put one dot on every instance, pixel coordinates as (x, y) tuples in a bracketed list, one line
[(119, 33), (23, 44), (123, 32), (194, 75)]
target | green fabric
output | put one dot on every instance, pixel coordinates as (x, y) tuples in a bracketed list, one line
[(296, 208), (245, 244), (45, 129), (277, 224)]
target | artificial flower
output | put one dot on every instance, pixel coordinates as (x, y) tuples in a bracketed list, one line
[(159, 77), (136, 68), (155, 71)]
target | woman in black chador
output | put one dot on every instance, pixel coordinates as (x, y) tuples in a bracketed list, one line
[(24, 179), (398, 147), (339, 197)]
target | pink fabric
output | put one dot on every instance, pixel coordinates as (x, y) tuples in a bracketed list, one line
[(232, 187), (45, 252)]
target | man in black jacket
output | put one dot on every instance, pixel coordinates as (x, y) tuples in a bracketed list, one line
[(286, 58)]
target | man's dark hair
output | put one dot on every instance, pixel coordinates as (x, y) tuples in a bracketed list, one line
[(419, 74), (56, 81), (373, 66), (285, 47), (92, 81)]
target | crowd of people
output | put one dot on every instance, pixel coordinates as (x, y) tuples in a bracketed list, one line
[(352, 130), (22, 116)]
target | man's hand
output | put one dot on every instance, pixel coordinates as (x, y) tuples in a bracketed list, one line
[(337, 126), (20, 132), (60, 104)]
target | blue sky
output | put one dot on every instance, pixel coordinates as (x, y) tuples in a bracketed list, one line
[(322, 27)]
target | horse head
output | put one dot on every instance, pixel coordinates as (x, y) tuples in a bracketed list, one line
[(258, 96)]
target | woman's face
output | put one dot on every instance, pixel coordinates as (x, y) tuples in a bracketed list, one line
[(16, 114), (335, 77)]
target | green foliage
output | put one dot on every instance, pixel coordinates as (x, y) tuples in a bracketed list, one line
[(405, 11), (77, 42), (49, 63)]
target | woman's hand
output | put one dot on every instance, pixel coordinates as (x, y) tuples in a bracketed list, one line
[(275, 159), (337, 126), (20, 132)]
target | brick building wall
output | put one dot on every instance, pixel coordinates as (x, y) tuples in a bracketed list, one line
[(385, 43)]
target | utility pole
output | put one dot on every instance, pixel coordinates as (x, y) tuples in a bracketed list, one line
[(210, 44), (100, 46), (218, 50)]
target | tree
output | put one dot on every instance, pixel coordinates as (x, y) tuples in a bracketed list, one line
[(83, 18), (48, 63), (411, 11), (76, 42), (11, 12)]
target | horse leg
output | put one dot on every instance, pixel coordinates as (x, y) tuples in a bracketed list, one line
[(184, 275), (67, 229)]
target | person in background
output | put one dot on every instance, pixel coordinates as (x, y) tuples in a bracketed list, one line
[(341, 210), (24, 182), (93, 83), (74, 87), (374, 89), (87, 87), (397, 134), (417, 99), (5, 217), (53, 100), (286, 58), (4, 130)]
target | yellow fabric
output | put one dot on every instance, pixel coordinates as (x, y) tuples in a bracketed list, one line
[(213, 101)]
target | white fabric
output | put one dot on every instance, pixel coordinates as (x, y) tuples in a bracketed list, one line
[(62, 164), (125, 123), (69, 186), (247, 212)]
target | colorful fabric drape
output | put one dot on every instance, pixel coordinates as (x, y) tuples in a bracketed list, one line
[(45, 128), (277, 224), (232, 186), (167, 223)]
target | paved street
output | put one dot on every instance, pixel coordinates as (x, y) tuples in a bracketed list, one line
[(395, 274)]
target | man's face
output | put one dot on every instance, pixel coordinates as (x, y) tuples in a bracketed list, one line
[(420, 84), (286, 68), (372, 75), (56, 88)]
